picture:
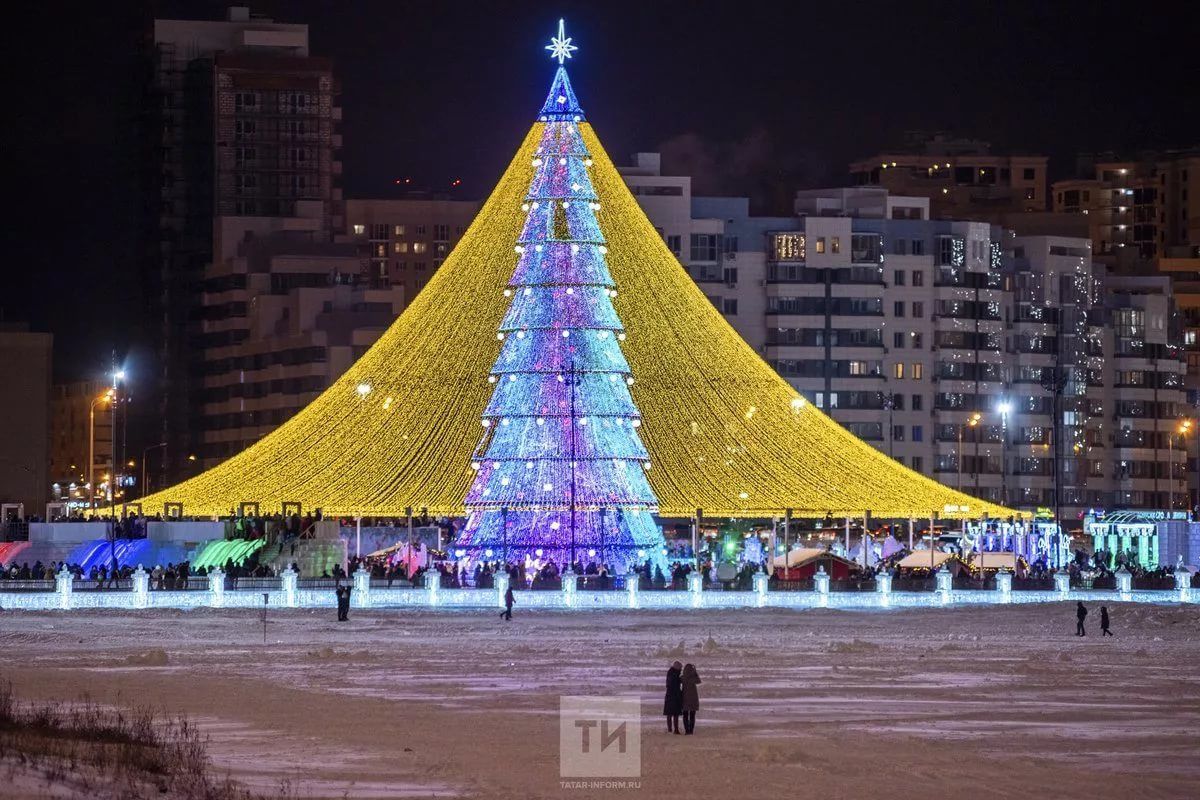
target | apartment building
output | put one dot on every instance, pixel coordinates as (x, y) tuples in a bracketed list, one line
[(961, 178), (405, 240), (968, 353), (239, 121), (1146, 208)]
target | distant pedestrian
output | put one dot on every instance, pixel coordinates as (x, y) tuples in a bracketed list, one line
[(673, 699), (1104, 631), (691, 697), (509, 599), (1080, 616), (343, 603)]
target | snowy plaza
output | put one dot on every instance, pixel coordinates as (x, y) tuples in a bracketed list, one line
[(995, 701)]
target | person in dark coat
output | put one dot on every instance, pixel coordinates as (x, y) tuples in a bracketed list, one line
[(509, 599), (1104, 631), (690, 679), (673, 701), (1080, 616), (343, 603)]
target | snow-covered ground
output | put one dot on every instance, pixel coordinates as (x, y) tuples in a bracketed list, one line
[(988, 702)]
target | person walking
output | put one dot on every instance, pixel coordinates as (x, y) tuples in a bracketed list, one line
[(1104, 631), (1080, 616), (690, 679), (509, 599), (673, 700), (343, 603)]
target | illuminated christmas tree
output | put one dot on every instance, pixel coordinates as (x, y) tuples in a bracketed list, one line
[(560, 472)]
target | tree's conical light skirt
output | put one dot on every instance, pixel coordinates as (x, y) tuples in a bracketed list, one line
[(724, 432)]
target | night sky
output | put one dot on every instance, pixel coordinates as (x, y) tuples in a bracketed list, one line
[(750, 98)]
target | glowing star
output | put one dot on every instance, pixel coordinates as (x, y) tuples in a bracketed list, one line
[(560, 46)]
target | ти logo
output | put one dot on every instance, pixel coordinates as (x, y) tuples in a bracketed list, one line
[(600, 737)]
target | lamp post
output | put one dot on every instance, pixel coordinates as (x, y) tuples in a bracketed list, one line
[(145, 471), (107, 397), (1184, 427), (972, 422), (1004, 408)]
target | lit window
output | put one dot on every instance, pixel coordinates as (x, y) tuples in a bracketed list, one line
[(820, 244), (918, 371), (359, 230), (900, 371)]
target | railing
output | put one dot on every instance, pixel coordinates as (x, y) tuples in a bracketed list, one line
[(120, 584), (260, 584), (14, 585)]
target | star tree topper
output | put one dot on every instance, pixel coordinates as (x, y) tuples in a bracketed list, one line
[(560, 46)]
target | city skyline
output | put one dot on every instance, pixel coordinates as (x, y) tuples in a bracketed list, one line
[(653, 80)]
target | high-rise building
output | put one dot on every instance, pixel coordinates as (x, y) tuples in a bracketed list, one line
[(962, 179), (240, 122), (1145, 208), (25, 418), (285, 314), (405, 240), (973, 355)]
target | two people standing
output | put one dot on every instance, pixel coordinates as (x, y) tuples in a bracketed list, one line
[(682, 697)]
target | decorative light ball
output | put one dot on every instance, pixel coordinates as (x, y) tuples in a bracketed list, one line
[(537, 162), (528, 291), (518, 249), (612, 292), (583, 420), (528, 465), (603, 249), (512, 378), (566, 203), (500, 336), (363, 389), (575, 187), (541, 421), (487, 553), (587, 162), (629, 381), (591, 553), (524, 206), (475, 465), (566, 334), (491, 378), (743, 496), (641, 553), (621, 337), (555, 525), (487, 423), (637, 423), (602, 335), (560, 378), (646, 466), (612, 378), (508, 292), (562, 161), (578, 118), (538, 552), (537, 248), (546, 487), (535, 204), (506, 421), (570, 290), (505, 481), (562, 98), (520, 334)]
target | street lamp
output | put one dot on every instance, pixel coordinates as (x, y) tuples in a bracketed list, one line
[(1004, 408), (145, 461), (107, 397), (971, 422), (1184, 428)]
